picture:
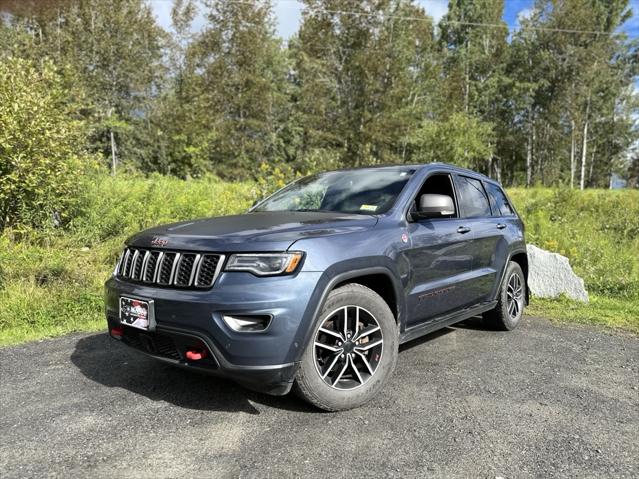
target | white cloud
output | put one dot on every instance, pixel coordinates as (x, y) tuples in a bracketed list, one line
[(524, 14), (435, 8)]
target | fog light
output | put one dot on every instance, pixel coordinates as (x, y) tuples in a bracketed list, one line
[(248, 324)]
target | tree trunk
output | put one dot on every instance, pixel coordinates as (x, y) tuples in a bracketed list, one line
[(572, 154), (466, 78), (592, 163), (584, 147), (584, 156), (113, 158), (529, 154)]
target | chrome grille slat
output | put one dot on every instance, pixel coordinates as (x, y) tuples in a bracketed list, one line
[(176, 261), (208, 270), (184, 269), (150, 268), (126, 262), (136, 266), (175, 269), (156, 274), (194, 268), (166, 269), (145, 265)]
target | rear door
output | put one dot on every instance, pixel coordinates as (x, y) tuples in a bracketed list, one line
[(487, 255), (507, 224)]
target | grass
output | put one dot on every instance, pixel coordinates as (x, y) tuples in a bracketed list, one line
[(51, 279), (598, 230), (614, 313)]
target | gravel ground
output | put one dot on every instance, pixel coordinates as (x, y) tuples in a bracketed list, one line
[(542, 401)]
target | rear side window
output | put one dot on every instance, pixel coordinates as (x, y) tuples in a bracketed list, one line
[(474, 201), (498, 201)]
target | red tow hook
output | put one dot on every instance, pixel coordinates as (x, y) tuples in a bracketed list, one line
[(117, 332), (195, 354)]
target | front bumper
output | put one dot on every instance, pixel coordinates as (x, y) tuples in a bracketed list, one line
[(266, 361)]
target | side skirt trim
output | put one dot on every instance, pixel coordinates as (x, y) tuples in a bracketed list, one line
[(443, 321)]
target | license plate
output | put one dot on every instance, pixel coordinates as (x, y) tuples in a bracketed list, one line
[(134, 312)]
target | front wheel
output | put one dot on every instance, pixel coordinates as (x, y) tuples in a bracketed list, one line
[(352, 352), (511, 300)]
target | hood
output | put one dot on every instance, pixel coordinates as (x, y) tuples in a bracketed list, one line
[(260, 231)]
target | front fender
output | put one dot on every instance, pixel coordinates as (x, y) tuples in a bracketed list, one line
[(340, 273)]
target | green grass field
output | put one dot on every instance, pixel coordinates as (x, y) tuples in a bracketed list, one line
[(51, 280)]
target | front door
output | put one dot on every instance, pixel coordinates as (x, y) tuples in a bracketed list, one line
[(440, 259)]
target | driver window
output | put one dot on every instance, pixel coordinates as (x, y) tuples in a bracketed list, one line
[(438, 184)]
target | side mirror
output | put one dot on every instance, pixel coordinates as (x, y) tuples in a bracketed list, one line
[(434, 206)]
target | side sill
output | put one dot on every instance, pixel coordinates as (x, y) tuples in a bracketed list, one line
[(443, 321)]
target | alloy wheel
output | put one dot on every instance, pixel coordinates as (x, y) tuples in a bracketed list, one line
[(514, 296), (348, 347)]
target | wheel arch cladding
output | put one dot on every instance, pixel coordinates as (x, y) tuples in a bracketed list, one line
[(521, 259), (382, 284), (381, 277)]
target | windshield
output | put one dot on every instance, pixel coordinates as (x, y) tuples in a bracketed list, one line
[(367, 191)]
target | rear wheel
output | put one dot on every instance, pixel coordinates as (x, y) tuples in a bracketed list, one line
[(352, 352), (511, 300)]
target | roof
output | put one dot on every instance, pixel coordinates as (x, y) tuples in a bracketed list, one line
[(448, 166)]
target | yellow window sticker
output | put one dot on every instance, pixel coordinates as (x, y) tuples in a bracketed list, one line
[(368, 207)]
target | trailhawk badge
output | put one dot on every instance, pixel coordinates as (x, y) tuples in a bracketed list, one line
[(158, 241)]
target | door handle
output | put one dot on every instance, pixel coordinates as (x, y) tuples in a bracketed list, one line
[(463, 229), (500, 226)]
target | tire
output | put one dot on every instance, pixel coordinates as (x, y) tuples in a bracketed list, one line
[(336, 375), (511, 300)]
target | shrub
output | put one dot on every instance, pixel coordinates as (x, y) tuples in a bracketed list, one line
[(41, 153)]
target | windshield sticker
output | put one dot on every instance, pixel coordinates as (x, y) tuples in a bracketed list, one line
[(368, 208)]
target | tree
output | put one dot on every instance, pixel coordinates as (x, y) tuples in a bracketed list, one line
[(237, 75), (461, 139), (475, 65), (111, 52), (575, 81), (364, 80)]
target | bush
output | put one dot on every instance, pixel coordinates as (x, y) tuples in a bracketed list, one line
[(41, 153)]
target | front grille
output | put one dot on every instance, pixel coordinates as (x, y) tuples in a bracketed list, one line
[(169, 268)]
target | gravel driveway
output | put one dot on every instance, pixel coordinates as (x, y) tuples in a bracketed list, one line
[(542, 401)]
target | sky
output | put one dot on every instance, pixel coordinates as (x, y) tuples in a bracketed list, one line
[(289, 12)]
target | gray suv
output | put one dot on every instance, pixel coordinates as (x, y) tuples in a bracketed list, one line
[(315, 287)]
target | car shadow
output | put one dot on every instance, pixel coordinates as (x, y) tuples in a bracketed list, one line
[(475, 323), (425, 339), (110, 363)]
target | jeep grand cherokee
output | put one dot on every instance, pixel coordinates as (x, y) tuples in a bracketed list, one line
[(315, 287)]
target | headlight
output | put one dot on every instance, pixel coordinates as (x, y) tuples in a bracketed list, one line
[(265, 264)]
